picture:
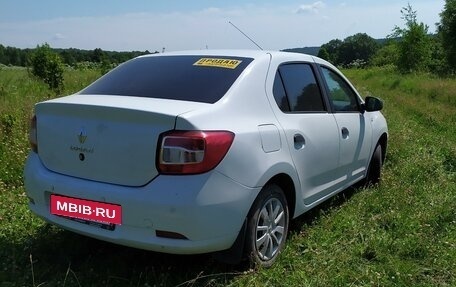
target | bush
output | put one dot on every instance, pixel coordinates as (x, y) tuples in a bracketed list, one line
[(47, 66), (386, 55), (415, 44)]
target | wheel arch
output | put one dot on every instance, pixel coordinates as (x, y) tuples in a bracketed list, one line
[(285, 182), (383, 142)]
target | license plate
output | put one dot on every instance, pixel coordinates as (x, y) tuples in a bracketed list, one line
[(86, 209)]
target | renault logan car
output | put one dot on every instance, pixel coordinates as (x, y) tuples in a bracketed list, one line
[(202, 152)]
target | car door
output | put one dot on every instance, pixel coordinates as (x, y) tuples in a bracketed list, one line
[(310, 129), (355, 134)]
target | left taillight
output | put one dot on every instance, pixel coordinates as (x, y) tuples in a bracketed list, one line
[(33, 139), (192, 152)]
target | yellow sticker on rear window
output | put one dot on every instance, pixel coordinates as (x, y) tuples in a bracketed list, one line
[(217, 62)]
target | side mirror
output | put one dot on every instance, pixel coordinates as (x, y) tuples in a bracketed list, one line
[(373, 104)]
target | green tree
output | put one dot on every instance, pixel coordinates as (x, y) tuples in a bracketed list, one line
[(13, 56), (357, 48), (98, 55), (47, 66), (333, 49), (323, 53), (415, 44), (438, 64), (2, 54), (387, 55), (68, 57), (447, 30)]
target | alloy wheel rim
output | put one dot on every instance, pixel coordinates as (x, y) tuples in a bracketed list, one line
[(270, 229)]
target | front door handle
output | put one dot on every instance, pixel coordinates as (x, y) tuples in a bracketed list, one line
[(345, 133)]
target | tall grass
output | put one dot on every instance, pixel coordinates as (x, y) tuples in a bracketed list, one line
[(402, 233)]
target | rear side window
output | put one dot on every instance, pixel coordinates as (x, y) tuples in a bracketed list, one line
[(188, 78), (279, 94), (295, 85)]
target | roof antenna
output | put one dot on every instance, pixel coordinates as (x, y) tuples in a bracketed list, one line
[(245, 35)]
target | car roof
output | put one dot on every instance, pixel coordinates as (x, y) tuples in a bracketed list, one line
[(255, 54), (230, 53)]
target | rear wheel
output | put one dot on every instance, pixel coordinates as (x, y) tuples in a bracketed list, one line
[(375, 167), (267, 226)]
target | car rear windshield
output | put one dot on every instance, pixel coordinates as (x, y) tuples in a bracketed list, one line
[(188, 78)]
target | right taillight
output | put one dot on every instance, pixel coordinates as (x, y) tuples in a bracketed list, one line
[(33, 135), (192, 152)]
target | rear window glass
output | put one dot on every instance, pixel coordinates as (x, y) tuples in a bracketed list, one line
[(188, 78)]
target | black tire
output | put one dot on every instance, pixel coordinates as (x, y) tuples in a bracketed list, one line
[(267, 226), (375, 167)]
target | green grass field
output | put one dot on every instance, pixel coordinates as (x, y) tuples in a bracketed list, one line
[(402, 233)]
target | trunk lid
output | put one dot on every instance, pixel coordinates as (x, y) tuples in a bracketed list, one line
[(110, 139)]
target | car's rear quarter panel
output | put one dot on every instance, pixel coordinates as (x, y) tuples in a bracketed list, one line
[(244, 110)]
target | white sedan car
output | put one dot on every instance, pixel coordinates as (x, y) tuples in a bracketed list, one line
[(202, 151)]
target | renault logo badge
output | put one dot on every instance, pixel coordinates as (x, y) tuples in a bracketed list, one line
[(82, 136)]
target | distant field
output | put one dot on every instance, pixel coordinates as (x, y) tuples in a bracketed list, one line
[(402, 233)]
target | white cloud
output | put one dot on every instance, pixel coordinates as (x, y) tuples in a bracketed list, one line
[(312, 8), (58, 36), (212, 10)]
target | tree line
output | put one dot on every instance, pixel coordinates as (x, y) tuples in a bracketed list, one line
[(48, 64), (11, 56), (409, 49)]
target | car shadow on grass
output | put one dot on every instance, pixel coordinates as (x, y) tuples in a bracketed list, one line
[(55, 257), (313, 215)]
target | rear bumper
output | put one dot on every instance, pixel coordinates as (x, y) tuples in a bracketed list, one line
[(208, 209)]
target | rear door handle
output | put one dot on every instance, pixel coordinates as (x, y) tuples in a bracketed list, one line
[(299, 141)]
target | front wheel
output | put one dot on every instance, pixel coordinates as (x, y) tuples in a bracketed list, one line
[(267, 226)]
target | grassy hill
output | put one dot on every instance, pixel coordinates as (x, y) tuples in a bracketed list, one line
[(402, 233), (314, 50)]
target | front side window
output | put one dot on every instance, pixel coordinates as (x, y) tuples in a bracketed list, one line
[(296, 89), (342, 97)]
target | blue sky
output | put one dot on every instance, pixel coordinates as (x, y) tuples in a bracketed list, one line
[(199, 24)]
